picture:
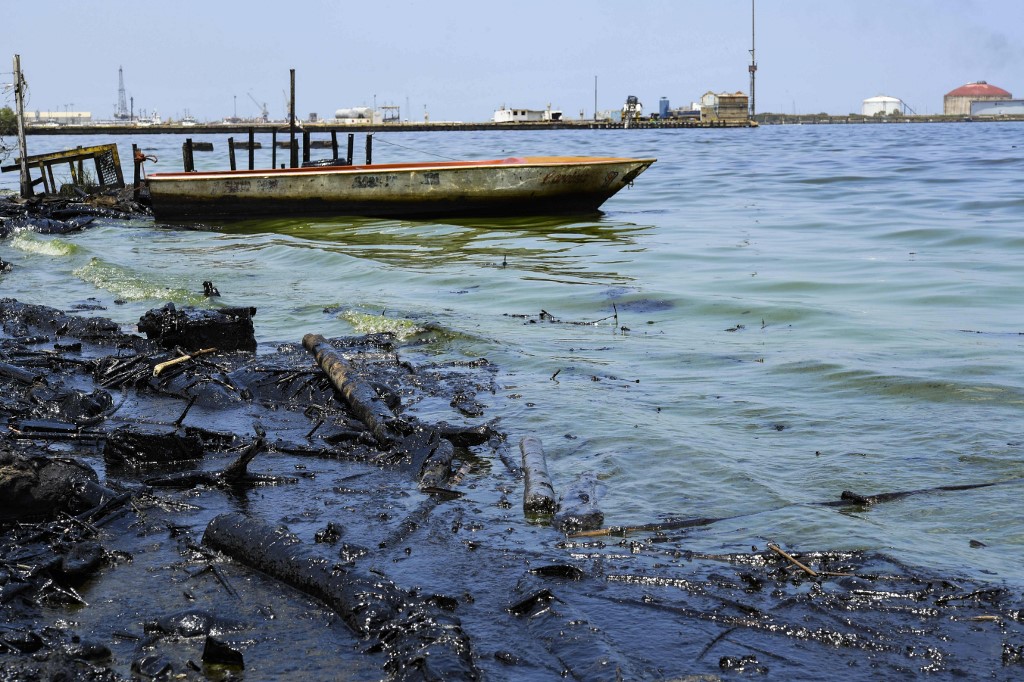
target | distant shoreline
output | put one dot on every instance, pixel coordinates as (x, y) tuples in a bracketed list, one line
[(329, 127), (447, 126)]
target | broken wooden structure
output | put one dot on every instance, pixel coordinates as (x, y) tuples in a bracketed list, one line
[(104, 157)]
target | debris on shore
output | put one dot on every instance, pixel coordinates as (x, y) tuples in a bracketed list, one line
[(62, 214), (188, 503)]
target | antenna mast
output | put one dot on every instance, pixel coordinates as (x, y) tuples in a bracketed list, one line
[(753, 62), (122, 106)]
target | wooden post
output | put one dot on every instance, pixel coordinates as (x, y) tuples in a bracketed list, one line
[(334, 145), (273, 148), (351, 145), (231, 152), (42, 174), (187, 156), (252, 148), (19, 96), (369, 148), (49, 171), (291, 123), (305, 146), (138, 172)]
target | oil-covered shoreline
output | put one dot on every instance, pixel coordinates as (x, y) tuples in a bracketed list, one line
[(236, 514)]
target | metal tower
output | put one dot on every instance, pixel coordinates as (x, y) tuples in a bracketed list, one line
[(122, 105)]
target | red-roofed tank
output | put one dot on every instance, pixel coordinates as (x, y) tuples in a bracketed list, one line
[(958, 102)]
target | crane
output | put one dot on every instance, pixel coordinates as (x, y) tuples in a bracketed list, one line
[(264, 114)]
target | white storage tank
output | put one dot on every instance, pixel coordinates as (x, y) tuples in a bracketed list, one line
[(354, 113), (882, 105)]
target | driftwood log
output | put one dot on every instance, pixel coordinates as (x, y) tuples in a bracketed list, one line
[(437, 466), (360, 396), (538, 493), (423, 642), (577, 505)]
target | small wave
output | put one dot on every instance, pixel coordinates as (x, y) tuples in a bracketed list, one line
[(131, 286), (937, 390), (828, 180), (990, 205), (29, 243)]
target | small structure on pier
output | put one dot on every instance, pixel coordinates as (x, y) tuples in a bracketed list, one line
[(506, 115)]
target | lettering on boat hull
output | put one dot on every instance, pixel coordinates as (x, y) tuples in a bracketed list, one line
[(371, 181)]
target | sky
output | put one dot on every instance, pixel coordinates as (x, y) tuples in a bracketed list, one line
[(456, 60)]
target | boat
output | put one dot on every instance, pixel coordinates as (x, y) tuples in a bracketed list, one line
[(144, 121), (532, 185)]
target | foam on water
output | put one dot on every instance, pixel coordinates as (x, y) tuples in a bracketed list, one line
[(32, 243), (126, 284), (376, 324)]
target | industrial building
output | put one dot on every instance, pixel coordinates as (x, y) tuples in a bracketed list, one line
[(58, 117), (724, 107), (958, 102), (667, 113), (882, 105), (1003, 107)]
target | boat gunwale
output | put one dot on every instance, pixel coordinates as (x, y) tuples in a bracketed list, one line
[(511, 162)]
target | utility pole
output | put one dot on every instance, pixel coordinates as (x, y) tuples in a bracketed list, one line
[(19, 98), (595, 98), (753, 62)]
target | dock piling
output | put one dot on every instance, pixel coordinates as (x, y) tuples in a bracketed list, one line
[(231, 152), (188, 160), (273, 148), (334, 145), (369, 148), (305, 146), (137, 159), (252, 148), (351, 145), (291, 123)]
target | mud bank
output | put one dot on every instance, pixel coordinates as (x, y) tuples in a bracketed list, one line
[(352, 510)]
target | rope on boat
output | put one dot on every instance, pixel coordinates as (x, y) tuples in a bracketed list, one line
[(413, 149)]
